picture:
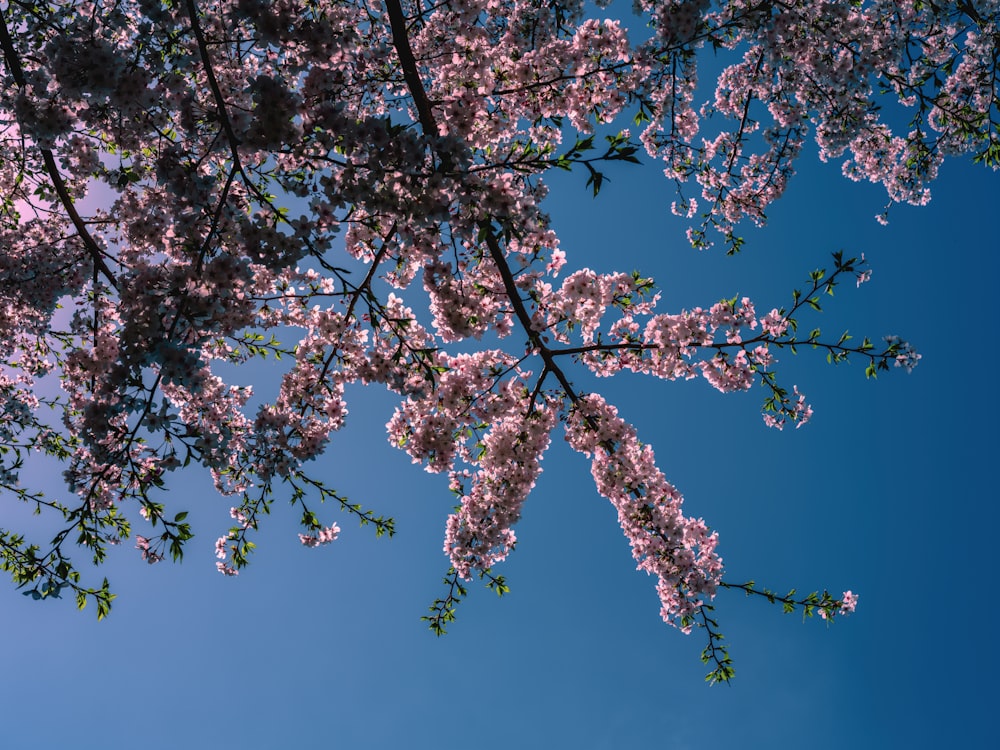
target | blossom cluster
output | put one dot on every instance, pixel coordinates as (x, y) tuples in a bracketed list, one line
[(323, 536), (680, 551)]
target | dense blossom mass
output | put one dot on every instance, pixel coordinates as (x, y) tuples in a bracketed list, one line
[(358, 187)]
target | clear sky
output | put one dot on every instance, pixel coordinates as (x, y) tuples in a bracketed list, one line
[(890, 491)]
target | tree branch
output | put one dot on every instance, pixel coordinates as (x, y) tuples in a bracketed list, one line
[(14, 65), (400, 40)]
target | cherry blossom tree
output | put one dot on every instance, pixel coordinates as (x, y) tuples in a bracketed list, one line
[(356, 187)]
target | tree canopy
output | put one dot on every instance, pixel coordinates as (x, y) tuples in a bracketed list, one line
[(356, 189)]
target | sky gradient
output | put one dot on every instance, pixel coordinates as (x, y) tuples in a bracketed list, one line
[(890, 491)]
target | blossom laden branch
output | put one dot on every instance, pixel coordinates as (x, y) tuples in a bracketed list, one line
[(258, 154), (825, 605)]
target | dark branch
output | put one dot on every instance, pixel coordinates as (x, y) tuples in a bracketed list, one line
[(14, 65)]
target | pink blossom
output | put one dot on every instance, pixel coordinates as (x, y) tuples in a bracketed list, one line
[(149, 554), (323, 536), (774, 324), (850, 601)]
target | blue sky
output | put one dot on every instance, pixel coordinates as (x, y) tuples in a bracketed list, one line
[(889, 491)]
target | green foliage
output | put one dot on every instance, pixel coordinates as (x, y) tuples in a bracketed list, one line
[(619, 148), (840, 351), (442, 611), (810, 605), (716, 652)]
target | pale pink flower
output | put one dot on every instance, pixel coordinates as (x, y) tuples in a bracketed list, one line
[(850, 601)]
